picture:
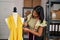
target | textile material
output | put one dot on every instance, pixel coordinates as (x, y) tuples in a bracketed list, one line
[(15, 30)]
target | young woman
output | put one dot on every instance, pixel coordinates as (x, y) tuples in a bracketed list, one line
[(36, 24)]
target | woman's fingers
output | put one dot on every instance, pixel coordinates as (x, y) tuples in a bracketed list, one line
[(25, 24), (26, 29)]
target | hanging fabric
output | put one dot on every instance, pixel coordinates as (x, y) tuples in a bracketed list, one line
[(15, 30)]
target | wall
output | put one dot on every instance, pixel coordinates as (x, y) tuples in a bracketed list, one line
[(43, 4), (6, 7)]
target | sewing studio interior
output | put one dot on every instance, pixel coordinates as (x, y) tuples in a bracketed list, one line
[(29, 19)]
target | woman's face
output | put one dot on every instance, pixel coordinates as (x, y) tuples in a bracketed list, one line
[(35, 14)]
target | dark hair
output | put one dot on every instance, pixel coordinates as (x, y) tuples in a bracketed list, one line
[(40, 12)]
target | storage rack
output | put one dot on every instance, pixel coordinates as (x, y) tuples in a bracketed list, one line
[(49, 21)]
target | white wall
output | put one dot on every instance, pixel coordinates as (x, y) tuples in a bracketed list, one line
[(43, 4), (6, 7), (19, 5)]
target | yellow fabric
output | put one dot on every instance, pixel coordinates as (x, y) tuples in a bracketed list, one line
[(15, 30)]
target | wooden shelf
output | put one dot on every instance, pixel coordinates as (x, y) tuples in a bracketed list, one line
[(31, 3), (36, 2), (27, 3)]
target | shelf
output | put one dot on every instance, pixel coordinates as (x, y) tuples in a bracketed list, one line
[(55, 21), (51, 37), (54, 0), (50, 3)]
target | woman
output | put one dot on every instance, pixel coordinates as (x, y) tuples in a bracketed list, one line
[(36, 24)]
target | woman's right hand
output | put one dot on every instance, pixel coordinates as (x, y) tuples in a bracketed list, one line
[(26, 30), (25, 24)]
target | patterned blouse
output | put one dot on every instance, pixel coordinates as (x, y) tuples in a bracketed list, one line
[(32, 25)]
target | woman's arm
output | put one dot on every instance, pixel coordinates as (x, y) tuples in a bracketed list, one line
[(39, 33)]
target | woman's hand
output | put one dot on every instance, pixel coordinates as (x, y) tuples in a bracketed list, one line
[(26, 29), (25, 24)]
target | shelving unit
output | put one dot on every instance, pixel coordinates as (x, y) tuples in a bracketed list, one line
[(56, 23)]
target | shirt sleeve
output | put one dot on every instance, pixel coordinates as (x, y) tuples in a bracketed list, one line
[(38, 24), (44, 24)]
